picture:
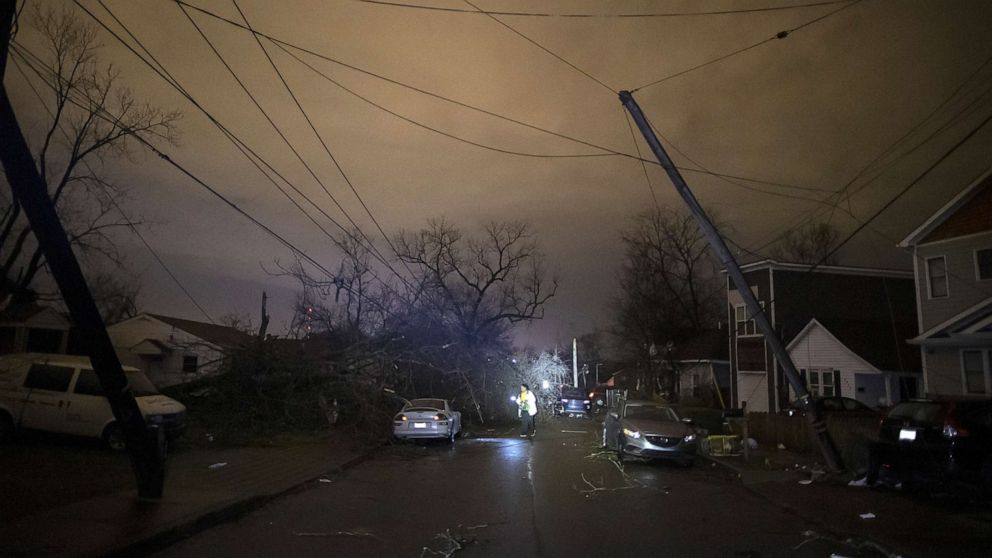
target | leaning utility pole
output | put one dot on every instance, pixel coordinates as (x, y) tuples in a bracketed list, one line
[(819, 427), (31, 192)]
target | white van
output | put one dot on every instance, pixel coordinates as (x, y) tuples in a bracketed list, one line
[(61, 393)]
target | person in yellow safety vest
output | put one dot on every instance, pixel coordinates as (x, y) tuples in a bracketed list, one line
[(527, 409)]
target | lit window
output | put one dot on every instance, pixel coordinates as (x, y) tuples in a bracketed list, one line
[(937, 277)]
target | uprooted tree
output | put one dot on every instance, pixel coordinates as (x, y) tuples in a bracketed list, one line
[(90, 125), (439, 326)]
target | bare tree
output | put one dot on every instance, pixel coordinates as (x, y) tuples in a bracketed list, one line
[(808, 244), (91, 122), (669, 283)]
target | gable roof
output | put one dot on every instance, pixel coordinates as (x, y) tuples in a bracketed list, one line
[(22, 313), (875, 342), (949, 209), (225, 336), (824, 269), (967, 325)]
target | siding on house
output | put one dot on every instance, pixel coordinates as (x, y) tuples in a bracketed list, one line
[(964, 289), (818, 349), (944, 371)]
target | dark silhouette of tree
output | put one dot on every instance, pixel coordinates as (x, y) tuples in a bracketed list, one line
[(807, 244)]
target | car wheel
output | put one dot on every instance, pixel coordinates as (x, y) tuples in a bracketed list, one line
[(113, 437), (7, 428)]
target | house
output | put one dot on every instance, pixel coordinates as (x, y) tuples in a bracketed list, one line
[(33, 328), (952, 255), (173, 350), (702, 365), (845, 358), (793, 295)]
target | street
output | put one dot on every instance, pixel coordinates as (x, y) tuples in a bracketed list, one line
[(555, 495)]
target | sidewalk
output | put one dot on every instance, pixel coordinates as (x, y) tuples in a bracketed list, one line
[(196, 497), (903, 524)]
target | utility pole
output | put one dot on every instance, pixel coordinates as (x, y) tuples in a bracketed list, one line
[(819, 427), (31, 192)]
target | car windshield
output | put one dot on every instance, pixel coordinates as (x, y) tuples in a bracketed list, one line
[(429, 403), (650, 412), (572, 393), (918, 412), (140, 384)]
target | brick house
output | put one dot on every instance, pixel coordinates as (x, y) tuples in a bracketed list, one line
[(953, 269), (792, 296)]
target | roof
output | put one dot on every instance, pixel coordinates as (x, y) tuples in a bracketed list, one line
[(840, 269), (20, 313), (224, 336), (875, 342), (965, 327), (949, 209)]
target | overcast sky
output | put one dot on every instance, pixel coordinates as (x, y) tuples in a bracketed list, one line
[(801, 116)]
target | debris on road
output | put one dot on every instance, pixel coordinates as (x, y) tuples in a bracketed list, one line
[(220, 465), (806, 481), (863, 482), (859, 545), (454, 541), (359, 532), (868, 515), (324, 480)]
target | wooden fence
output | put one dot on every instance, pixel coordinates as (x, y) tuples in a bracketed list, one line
[(851, 433)]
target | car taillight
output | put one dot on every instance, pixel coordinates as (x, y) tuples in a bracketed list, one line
[(440, 416), (400, 417), (586, 401)]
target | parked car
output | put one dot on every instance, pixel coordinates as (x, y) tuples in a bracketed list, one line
[(61, 394), (650, 430), (830, 405), (421, 419), (943, 439), (575, 402)]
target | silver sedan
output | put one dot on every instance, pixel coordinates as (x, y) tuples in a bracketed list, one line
[(650, 430), (427, 418)]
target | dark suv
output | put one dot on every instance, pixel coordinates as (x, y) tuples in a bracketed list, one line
[(575, 402), (939, 439)]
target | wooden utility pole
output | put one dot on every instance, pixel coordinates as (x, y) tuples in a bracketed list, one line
[(31, 192), (726, 257)]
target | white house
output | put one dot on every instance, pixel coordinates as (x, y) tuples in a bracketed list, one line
[(860, 361), (173, 350), (953, 262), (33, 328)]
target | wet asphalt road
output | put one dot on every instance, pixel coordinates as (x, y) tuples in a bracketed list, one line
[(507, 496)]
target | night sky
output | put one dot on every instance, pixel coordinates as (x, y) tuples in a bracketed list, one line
[(795, 118)]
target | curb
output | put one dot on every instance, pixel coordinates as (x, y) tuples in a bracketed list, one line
[(217, 515)]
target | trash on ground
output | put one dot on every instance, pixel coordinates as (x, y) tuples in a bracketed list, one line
[(860, 482), (325, 480), (218, 465), (868, 515), (806, 481), (781, 446), (752, 443)]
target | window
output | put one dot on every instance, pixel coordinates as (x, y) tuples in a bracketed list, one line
[(48, 377), (190, 363), (88, 384), (821, 382), (937, 277), (973, 365), (983, 264), (745, 323)]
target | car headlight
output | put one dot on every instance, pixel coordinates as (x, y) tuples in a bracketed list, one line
[(631, 433), (689, 438)]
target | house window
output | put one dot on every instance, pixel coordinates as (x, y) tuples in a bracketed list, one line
[(974, 366), (190, 364), (821, 382), (937, 277), (745, 323), (983, 264)]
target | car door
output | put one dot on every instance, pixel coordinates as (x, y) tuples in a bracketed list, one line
[(46, 389), (88, 409)]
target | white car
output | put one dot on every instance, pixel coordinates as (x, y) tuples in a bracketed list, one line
[(427, 418), (61, 394)]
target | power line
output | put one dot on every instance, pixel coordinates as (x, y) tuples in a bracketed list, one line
[(327, 149), (110, 198), (545, 49), (114, 119), (779, 35), (465, 105), (602, 15)]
